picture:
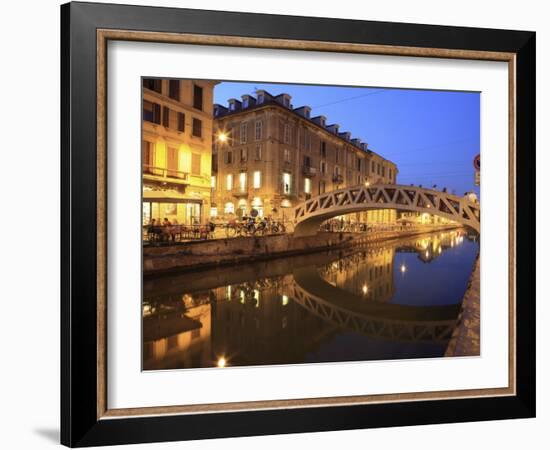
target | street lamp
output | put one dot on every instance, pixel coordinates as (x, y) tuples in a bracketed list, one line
[(222, 137)]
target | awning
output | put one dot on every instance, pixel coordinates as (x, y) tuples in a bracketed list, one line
[(168, 197)]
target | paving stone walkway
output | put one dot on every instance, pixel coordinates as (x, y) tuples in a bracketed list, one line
[(466, 336)]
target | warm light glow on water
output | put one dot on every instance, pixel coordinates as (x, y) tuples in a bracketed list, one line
[(358, 304)]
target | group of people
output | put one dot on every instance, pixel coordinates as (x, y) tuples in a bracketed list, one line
[(167, 230), (162, 229)]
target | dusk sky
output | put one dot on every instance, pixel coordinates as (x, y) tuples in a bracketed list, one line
[(432, 136)]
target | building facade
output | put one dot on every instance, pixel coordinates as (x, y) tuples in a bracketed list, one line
[(177, 150), (270, 156)]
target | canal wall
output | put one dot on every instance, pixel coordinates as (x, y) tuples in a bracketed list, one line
[(465, 340), (216, 252)]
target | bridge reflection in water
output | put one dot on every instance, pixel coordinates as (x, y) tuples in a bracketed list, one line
[(386, 301)]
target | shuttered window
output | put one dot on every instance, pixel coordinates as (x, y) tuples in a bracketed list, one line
[(197, 97), (165, 117), (151, 112), (181, 122), (197, 128), (174, 89)]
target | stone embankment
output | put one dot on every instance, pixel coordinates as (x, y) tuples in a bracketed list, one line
[(465, 340), (211, 253)]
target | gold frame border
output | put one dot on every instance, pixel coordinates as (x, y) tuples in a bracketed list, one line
[(103, 36)]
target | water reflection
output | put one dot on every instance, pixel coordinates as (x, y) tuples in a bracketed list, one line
[(357, 304)]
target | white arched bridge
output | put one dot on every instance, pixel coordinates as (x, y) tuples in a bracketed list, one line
[(309, 215)]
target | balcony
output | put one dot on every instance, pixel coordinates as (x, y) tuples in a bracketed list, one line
[(289, 194), (155, 173), (309, 171), (239, 192), (338, 178)]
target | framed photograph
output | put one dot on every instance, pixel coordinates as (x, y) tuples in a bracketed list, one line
[(276, 224)]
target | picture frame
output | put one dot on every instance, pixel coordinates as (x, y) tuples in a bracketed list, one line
[(86, 28)]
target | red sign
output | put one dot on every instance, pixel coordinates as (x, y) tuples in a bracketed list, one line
[(477, 163)]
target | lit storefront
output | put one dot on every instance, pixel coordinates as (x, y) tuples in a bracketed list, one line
[(180, 205)]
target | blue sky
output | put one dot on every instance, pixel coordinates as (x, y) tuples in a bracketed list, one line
[(432, 136)]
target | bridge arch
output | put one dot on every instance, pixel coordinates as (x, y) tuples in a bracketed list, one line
[(388, 321), (309, 215)]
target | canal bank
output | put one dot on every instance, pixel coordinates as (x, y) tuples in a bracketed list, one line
[(465, 340), (393, 299), (218, 252)]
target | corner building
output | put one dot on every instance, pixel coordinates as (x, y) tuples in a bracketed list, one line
[(270, 156), (177, 150)]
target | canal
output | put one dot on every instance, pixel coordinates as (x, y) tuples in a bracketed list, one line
[(392, 300)]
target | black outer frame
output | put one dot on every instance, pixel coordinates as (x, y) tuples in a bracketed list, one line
[(79, 423)]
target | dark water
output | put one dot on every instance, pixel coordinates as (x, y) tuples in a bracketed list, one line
[(383, 301)]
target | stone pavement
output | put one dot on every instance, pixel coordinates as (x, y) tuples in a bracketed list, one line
[(466, 336)]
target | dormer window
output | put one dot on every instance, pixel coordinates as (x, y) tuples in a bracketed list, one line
[(232, 106), (245, 102), (260, 98), (286, 102), (306, 113)]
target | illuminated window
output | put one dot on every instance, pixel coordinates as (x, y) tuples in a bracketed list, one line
[(286, 183), (213, 182), (257, 181), (229, 182), (229, 208), (214, 212), (242, 181), (307, 185)]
